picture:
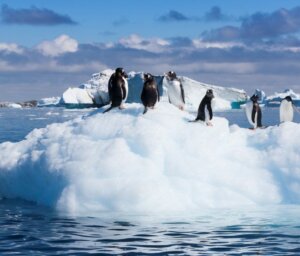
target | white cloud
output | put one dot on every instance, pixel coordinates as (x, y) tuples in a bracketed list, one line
[(229, 67), (51, 65), (11, 48), (198, 43), (152, 45), (60, 45)]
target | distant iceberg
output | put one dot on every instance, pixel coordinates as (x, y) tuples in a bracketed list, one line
[(49, 102), (18, 105), (13, 105), (94, 92), (275, 99)]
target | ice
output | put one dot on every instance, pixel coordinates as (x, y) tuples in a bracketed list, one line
[(51, 101), (275, 99), (95, 91), (124, 161)]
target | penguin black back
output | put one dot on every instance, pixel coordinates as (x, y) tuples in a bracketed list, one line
[(150, 93), (205, 103), (117, 88), (256, 114)]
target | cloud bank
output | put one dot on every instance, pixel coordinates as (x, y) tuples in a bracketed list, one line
[(173, 15), (233, 56), (212, 15), (259, 26), (33, 16)]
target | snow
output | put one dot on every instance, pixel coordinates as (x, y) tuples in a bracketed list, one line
[(158, 162), (97, 90)]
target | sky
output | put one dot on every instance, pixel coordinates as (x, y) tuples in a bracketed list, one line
[(48, 46)]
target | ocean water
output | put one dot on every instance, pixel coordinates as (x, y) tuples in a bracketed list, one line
[(31, 229)]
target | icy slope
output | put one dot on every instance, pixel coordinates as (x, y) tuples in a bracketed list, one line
[(158, 162)]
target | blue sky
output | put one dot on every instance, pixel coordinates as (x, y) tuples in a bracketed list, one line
[(47, 46)]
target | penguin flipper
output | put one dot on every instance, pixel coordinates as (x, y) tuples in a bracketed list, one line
[(124, 95), (296, 109), (182, 92)]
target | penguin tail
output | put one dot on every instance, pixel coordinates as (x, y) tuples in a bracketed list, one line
[(145, 110), (110, 108)]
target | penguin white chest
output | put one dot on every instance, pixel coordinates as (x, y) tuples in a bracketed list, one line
[(174, 93), (248, 109), (286, 112), (126, 89)]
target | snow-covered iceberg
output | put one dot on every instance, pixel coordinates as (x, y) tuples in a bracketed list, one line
[(49, 102), (10, 105), (158, 162), (95, 93), (275, 99), (18, 105)]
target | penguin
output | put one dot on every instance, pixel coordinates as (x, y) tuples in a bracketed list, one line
[(175, 90), (117, 89), (253, 112), (205, 112), (286, 111), (150, 92)]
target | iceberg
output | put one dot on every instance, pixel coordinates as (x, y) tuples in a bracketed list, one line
[(13, 105), (124, 161), (275, 99), (19, 105), (49, 102), (95, 93)]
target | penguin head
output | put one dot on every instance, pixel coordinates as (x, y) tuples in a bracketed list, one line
[(288, 98), (171, 75), (210, 94), (147, 77), (254, 98), (121, 72)]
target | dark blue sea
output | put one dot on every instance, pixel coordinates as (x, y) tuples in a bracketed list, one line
[(31, 229)]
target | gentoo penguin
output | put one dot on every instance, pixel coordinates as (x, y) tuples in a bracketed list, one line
[(150, 93), (286, 111), (175, 90), (253, 112), (117, 89), (205, 112)]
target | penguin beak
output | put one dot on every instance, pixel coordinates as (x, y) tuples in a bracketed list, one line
[(125, 75)]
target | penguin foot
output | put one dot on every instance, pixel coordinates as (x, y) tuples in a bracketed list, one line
[(121, 107)]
